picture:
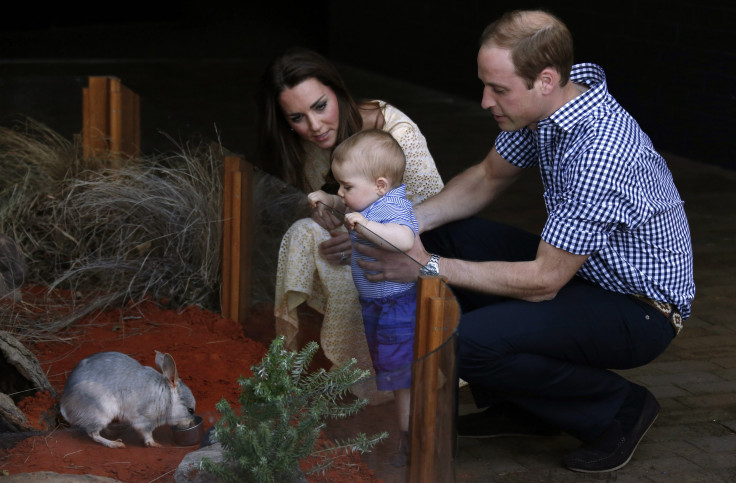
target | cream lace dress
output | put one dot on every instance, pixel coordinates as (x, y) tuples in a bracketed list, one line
[(303, 276)]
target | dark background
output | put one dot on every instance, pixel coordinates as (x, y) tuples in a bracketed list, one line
[(672, 64)]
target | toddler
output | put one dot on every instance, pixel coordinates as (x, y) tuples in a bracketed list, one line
[(369, 167)]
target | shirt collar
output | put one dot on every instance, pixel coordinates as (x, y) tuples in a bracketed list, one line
[(568, 115), (398, 192)]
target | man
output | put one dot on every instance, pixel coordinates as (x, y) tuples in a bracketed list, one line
[(606, 285)]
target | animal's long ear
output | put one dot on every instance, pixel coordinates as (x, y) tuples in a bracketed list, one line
[(167, 366)]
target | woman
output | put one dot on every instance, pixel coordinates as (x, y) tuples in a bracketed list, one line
[(305, 111)]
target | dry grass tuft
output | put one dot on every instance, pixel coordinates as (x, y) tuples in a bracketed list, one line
[(33, 157), (96, 238)]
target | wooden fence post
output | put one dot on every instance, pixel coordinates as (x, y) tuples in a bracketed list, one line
[(432, 439), (111, 119), (237, 239)]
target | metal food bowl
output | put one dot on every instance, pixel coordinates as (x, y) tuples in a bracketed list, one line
[(191, 435)]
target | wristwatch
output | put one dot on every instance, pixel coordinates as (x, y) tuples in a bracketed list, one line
[(432, 267)]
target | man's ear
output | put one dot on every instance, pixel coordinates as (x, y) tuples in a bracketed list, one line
[(382, 186), (549, 78)]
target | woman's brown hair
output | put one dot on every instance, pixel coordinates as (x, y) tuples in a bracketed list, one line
[(280, 150)]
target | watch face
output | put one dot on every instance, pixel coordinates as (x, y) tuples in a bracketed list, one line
[(432, 267)]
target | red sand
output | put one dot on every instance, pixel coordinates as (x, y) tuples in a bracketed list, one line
[(210, 352)]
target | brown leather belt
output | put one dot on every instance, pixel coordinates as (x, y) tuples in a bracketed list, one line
[(666, 309)]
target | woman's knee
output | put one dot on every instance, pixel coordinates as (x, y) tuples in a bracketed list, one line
[(304, 234), (305, 227)]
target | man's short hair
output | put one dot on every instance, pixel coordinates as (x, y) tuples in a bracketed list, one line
[(537, 40)]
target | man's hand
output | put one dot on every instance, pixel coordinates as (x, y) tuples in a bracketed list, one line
[(336, 249), (393, 265)]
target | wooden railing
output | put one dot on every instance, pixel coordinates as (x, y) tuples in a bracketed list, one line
[(432, 438)]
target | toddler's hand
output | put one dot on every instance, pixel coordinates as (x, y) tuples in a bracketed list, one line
[(317, 197), (320, 201), (353, 219)]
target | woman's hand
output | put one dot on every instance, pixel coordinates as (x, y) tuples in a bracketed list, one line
[(393, 265), (336, 250)]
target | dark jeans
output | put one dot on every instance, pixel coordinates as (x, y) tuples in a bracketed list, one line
[(552, 358)]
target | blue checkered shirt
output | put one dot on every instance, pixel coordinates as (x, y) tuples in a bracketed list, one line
[(609, 195), (393, 207)]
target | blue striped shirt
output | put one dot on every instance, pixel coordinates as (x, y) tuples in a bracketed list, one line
[(393, 207), (609, 195)]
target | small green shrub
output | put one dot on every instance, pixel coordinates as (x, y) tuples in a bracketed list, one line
[(283, 410)]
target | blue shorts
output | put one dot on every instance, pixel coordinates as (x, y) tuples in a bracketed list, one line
[(389, 328)]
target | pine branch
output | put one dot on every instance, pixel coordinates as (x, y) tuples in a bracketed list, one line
[(283, 412)]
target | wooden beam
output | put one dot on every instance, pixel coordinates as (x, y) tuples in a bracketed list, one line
[(95, 117), (227, 257), (235, 294), (110, 119)]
